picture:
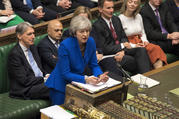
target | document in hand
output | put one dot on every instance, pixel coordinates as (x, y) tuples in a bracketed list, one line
[(150, 82), (99, 87), (5, 19), (57, 112)]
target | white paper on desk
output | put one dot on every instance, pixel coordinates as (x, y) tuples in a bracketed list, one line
[(107, 56), (150, 82), (56, 112), (5, 19), (96, 88), (94, 0)]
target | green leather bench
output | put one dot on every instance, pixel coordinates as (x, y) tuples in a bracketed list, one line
[(11, 108)]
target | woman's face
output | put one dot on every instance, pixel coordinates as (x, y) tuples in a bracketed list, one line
[(132, 5), (84, 14), (82, 35)]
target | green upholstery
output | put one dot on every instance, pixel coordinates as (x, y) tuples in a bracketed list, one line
[(11, 108), (171, 58), (4, 82)]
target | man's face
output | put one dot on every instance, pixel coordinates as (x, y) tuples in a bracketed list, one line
[(55, 30), (155, 3), (107, 10), (27, 38)]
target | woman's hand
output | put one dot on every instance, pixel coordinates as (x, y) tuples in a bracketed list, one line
[(103, 77), (92, 80), (99, 56), (140, 45), (127, 45), (146, 43), (6, 12)]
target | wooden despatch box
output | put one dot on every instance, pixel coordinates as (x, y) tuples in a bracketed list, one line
[(82, 98)]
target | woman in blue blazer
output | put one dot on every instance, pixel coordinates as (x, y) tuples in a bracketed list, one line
[(74, 54)]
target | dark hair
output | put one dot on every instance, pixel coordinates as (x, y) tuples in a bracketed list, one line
[(101, 2)]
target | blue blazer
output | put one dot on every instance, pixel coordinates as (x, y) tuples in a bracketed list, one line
[(71, 63)]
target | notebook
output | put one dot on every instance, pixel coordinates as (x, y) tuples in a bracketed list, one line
[(57, 112), (96, 88), (150, 82), (5, 19)]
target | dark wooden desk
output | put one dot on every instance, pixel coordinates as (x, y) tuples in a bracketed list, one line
[(169, 79)]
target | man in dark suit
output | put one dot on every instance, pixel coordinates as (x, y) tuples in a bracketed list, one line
[(174, 10), (160, 27), (110, 36), (24, 67), (66, 6), (48, 47), (32, 11)]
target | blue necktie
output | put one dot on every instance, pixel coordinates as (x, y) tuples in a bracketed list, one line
[(29, 4), (34, 66)]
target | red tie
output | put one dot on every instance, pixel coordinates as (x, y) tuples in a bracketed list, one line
[(113, 33)]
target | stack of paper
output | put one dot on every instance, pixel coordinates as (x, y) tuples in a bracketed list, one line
[(96, 88), (57, 112), (150, 82), (5, 19)]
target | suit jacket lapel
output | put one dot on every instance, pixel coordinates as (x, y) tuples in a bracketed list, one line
[(106, 27), (52, 46), (20, 51), (2, 7), (162, 17), (151, 12)]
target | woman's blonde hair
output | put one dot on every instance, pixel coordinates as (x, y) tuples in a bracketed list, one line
[(124, 7), (82, 9)]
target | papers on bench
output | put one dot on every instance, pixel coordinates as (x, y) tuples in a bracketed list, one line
[(57, 112), (107, 56), (99, 87), (5, 19), (94, 1), (150, 82)]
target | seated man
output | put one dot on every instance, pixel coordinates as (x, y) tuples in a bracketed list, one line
[(32, 11), (160, 27), (24, 67), (66, 6), (48, 47), (60, 6), (110, 36), (173, 6)]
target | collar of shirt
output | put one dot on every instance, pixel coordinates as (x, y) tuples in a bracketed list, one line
[(53, 41), (107, 21), (153, 8), (25, 50)]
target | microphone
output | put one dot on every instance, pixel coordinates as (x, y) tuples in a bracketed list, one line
[(125, 74)]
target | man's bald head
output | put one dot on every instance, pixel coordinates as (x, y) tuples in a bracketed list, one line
[(55, 29)]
